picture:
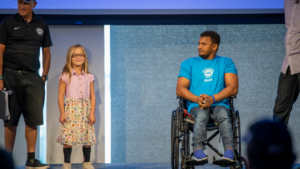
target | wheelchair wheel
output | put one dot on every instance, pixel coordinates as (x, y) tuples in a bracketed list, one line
[(237, 134), (174, 140), (242, 162)]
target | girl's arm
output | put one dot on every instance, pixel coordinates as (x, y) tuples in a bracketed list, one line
[(92, 119), (61, 97)]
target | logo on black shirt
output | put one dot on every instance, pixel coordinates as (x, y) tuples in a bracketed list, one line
[(16, 28), (39, 31)]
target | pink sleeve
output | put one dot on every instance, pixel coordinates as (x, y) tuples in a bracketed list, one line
[(64, 77), (92, 78)]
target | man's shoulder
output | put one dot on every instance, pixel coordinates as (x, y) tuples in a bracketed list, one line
[(9, 18), (41, 20), (224, 57), (192, 59)]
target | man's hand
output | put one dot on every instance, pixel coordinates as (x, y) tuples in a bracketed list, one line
[(63, 119), (92, 119), (1, 85), (44, 79), (205, 101), (208, 100), (201, 102)]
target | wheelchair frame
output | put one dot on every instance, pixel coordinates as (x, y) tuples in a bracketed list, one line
[(180, 132)]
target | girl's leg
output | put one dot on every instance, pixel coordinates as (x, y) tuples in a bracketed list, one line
[(86, 153), (67, 153)]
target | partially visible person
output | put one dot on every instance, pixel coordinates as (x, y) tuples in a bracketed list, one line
[(21, 37), (77, 112), (289, 79), (270, 146), (6, 160)]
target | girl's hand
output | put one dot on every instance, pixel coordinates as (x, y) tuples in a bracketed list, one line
[(92, 120), (63, 119)]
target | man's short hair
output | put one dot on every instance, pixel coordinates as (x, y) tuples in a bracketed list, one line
[(215, 37), (270, 145)]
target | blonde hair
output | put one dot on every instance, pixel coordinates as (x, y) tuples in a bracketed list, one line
[(68, 66)]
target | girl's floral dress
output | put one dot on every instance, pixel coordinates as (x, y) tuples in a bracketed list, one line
[(77, 130)]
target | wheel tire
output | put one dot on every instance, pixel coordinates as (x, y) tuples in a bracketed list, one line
[(242, 162), (237, 135), (174, 141)]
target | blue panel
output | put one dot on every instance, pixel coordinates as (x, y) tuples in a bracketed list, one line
[(151, 4), (145, 62)]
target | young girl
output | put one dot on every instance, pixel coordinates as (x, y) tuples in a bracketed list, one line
[(77, 114)]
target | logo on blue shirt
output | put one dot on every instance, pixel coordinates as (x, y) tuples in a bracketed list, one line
[(208, 73)]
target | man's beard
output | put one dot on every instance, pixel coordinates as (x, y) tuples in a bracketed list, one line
[(204, 56)]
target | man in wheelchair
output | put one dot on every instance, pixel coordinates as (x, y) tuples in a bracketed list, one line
[(206, 82)]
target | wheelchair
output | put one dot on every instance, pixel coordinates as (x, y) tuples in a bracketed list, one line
[(182, 124)]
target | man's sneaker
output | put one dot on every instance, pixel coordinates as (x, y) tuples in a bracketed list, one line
[(228, 155), (199, 155), (35, 164), (87, 165), (66, 166)]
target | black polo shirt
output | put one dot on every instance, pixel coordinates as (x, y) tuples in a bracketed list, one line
[(23, 41)]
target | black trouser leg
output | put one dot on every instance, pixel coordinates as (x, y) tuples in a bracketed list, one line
[(287, 94)]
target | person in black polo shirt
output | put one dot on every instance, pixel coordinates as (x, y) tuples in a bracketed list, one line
[(21, 37)]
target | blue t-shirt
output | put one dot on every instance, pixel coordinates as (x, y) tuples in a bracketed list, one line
[(207, 76)]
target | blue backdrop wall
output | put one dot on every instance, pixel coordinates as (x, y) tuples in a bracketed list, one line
[(145, 62)]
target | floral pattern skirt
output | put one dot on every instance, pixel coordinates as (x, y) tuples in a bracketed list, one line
[(77, 130)]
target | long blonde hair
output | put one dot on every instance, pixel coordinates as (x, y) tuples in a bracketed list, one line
[(68, 66)]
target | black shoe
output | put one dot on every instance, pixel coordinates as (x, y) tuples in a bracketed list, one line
[(35, 164)]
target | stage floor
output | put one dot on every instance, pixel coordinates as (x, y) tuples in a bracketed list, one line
[(138, 166)]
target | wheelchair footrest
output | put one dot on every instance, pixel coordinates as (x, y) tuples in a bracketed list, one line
[(194, 162), (223, 163)]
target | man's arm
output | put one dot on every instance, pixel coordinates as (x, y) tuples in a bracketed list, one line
[(46, 61), (2, 48), (183, 91), (231, 89)]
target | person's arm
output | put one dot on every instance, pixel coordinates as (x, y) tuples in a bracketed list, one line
[(231, 89), (61, 96), (2, 48), (3, 41), (182, 89), (92, 119), (46, 61)]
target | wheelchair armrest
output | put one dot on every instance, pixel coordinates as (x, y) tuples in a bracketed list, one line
[(182, 102), (232, 97)]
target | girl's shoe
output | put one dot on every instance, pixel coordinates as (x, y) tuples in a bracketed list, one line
[(87, 165), (66, 166)]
